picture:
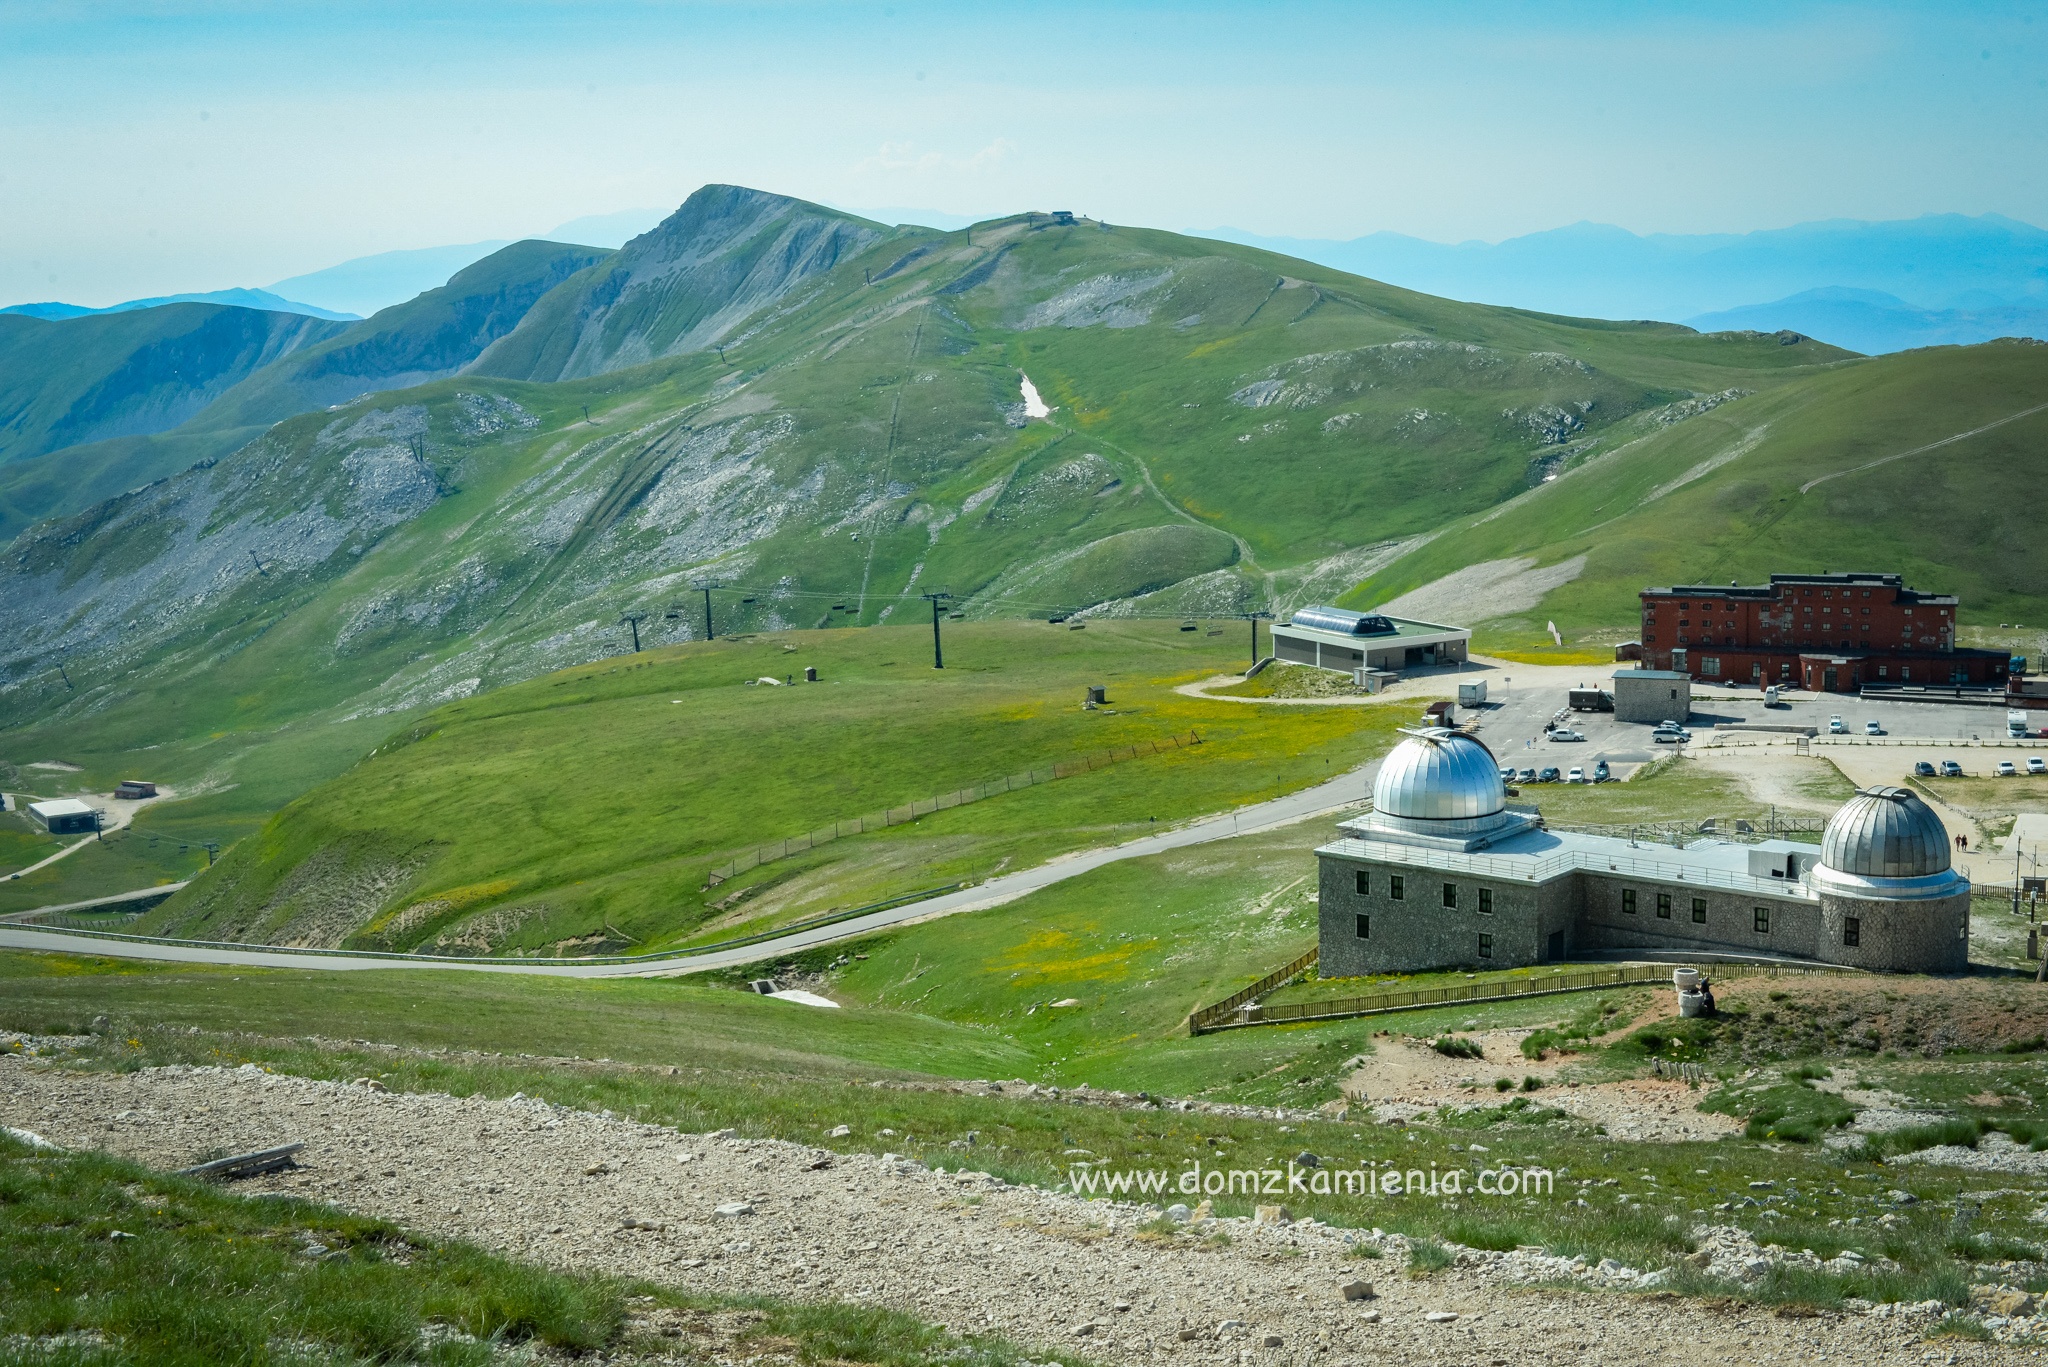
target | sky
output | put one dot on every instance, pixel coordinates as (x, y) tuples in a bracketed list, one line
[(147, 148)]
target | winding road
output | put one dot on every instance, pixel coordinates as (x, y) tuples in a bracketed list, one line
[(1346, 790)]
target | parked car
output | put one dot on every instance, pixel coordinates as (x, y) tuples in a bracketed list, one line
[(1673, 737), (1871, 728), (1836, 726), (1601, 773), (1951, 769), (1507, 773), (1549, 774), (1577, 775), (1923, 769), (2006, 769), (1566, 733), (1527, 776), (2036, 765)]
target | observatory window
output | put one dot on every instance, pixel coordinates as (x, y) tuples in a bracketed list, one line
[(1486, 901), (1663, 906), (1486, 946), (1628, 901), (1364, 883), (1397, 886), (1450, 894), (1763, 920), (1852, 931), (1699, 911), (1365, 927)]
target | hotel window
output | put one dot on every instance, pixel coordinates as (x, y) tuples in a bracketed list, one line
[(1397, 887), (1699, 911), (1763, 920), (1450, 894), (1628, 901), (1663, 906), (1486, 901), (1364, 883), (1486, 946), (1365, 927), (1852, 931)]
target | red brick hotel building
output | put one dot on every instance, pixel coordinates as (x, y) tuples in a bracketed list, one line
[(1829, 633)]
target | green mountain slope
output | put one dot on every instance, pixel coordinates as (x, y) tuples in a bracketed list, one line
[(1228, 427), (75, 380), (686, 285), (1920, 462), (173, 403), (440, 332)]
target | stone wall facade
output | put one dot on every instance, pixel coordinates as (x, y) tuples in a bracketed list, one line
[(1929, 936)]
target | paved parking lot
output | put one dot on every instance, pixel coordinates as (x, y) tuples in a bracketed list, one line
[(1512, 724)]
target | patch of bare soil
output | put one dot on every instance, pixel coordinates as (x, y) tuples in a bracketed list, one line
[(1790, 1017), (1406, 1077)]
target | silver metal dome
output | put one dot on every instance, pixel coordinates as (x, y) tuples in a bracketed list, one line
[(1885, 833), (1439, 774)]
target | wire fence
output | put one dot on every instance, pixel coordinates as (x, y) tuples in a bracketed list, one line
[(911, 811)]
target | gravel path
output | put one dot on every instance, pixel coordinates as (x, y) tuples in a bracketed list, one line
[(559, 1186)]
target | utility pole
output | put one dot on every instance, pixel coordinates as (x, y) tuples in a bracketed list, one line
[(704, 587), (636, 618), (64, 674), (938, 657), (212, 849), (1253, 618), (259, 566)]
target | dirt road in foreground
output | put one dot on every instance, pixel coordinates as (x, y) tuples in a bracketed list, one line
[(557, 1186)]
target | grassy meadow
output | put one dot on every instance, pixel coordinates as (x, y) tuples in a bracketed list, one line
[(587, 807)]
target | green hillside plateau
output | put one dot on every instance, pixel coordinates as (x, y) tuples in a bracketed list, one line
[(582, 811), (1879, 465), (176, 397)]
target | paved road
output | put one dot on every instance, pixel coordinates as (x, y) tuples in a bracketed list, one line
[(1342, 791)]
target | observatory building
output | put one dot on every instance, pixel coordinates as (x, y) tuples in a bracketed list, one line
[(1442, 873), (1369, 646)]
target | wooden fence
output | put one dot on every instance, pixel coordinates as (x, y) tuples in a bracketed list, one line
[(1213, 1017), (1243, 1009), (911, 811)]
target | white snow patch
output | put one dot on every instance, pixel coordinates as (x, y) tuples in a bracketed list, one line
[(1034, 407), (803, 998)]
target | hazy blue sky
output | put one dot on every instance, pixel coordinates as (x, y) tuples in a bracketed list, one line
[(146, 148)]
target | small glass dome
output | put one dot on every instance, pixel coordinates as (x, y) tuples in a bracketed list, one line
[(1885, 833), (1440, 775)]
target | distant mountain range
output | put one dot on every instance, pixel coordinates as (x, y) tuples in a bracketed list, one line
[(265, 300), (1868, 286), (1874, 322), (1950, 276)]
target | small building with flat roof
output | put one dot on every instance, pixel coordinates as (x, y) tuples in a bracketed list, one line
[(1340, 639), (64, 816), (1652, 695)]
